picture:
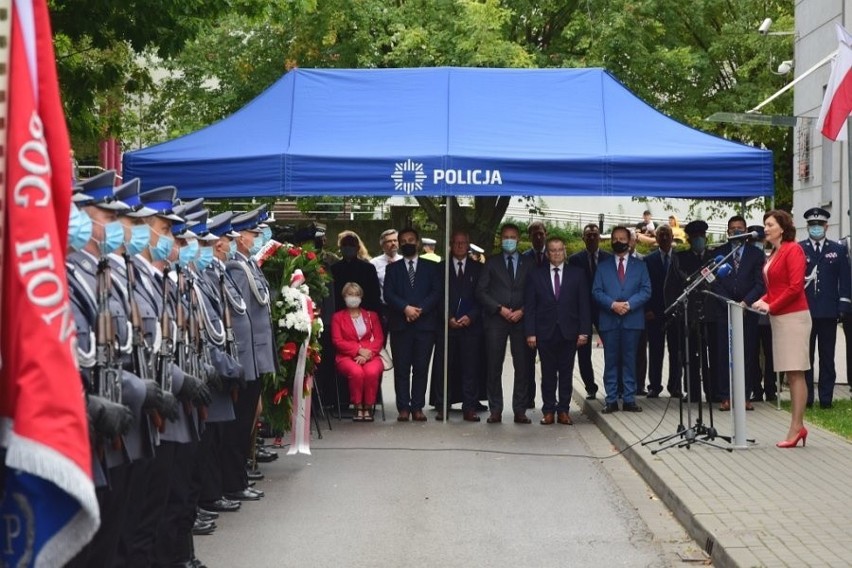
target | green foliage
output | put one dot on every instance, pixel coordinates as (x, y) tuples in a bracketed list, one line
[(837, 419)]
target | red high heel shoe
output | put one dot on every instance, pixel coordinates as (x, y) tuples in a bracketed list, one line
[(801, 435)]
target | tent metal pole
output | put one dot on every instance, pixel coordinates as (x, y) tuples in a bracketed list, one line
[(447, 253)]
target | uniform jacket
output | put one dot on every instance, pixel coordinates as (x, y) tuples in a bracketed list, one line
[(254, 289), (636, 290), (828, 294)]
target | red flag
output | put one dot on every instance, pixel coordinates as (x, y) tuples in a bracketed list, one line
[(49, 508), (837, 103)]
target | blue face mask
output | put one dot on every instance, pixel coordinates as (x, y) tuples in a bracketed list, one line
[(698, 243), (187, 253), (79, 228), (256, 245), (205, 258), (816, 232), (232, 252), (509, 245), (113, 237), (140, 236), (267, 234), (162, 249)]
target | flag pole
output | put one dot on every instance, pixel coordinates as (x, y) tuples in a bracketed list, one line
[(5, 41)]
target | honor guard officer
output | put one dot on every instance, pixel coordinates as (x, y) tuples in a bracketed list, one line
[(234, 446), (91, 282), (154, 264), (260, 345), (827, 286)]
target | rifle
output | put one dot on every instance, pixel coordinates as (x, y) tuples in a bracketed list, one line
[(230, 339), (107, 370), (141, 352), (166, 355), (185, 358), (199, 356)]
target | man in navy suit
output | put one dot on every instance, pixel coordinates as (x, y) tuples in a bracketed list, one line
[(537, 233), (662, 265), (557, 320), (464, 335), (827, 285), (621, 289), (743, 284), (412, 291), (589, 260)]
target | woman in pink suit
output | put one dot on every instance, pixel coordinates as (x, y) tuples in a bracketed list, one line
[(357, 337), (785, 300)]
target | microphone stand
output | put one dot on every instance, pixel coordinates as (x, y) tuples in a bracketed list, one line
[(686, 437)]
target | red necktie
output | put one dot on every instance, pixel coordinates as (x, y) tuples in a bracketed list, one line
[(621, 270)]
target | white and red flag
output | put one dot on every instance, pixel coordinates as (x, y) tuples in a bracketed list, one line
[(837, 103), (49, 510)]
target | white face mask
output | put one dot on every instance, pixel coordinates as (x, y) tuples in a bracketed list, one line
[(352, 301)]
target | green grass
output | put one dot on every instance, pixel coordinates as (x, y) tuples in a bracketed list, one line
[(837, 419)]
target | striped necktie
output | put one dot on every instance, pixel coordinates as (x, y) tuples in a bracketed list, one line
[(411, 273)]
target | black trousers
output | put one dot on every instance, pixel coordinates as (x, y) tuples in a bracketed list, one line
[(531, 376), (209, 462), (495, 346), (411, 350), (245, 409), (231, 456), (112, 502), (146, 507), (660, 337), (174, 532), (557, 370), (587, 371), (824, 332)]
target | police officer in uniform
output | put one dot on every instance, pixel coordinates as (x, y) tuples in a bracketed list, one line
[(827, 286)]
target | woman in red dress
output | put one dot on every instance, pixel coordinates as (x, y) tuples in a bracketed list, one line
[(785, 300), (357, 337)]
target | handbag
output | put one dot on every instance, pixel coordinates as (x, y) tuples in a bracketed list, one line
[(384, 355)]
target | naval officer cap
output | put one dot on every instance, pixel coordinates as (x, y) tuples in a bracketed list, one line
[(187, 208), (128, 193), (162, 201), (817, 215), (98, 190), (220, 225), (696, 227), (247, 221), (198, 223), (476, 248), (428, 241)]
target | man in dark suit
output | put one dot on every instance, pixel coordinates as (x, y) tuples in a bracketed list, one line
[(557, 319), (828, 289), (501, 295), (413, 290), (743, 284), (661, 264), (353, 269), (464, 335), (589, 260), (621, 289), (537, 233)]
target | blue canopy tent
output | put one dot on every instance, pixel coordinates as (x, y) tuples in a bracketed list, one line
[(452, 131)]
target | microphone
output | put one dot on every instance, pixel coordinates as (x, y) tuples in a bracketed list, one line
[(743, 236), (724, 270)]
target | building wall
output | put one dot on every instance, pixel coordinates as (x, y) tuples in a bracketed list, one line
[(820, 169)]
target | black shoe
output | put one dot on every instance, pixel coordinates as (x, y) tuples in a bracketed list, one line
[(265, 456), (196, 563), (641, 392), (675, 394), (591, 393), (756, 399), (221, 505), (206, 515), (825, 405), (771, 398), (254, 474), (479, 407), (610, 408), (631, 407), (244, 495), (203, 528), (653, 394)]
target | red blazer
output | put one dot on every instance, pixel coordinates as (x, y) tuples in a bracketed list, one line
[(785, 280), (345, 338)]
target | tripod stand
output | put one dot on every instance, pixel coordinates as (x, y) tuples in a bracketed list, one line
[(697, 433)]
